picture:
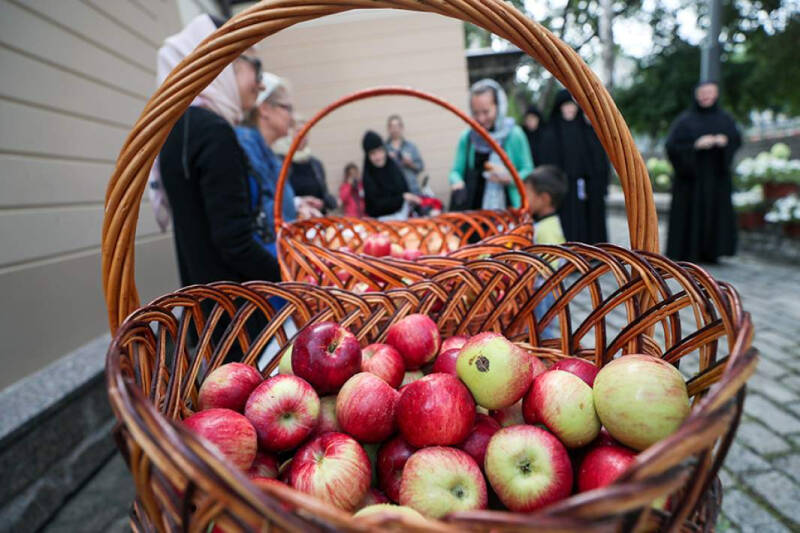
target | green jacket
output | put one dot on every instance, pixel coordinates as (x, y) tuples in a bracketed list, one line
[(517, 148)]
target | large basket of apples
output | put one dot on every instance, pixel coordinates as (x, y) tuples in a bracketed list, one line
[(398, 410)]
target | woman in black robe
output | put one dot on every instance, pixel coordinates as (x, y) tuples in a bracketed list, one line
[(569, 142), (385, 188), (701, 146), (533, 125)]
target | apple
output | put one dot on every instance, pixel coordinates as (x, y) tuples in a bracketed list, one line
[(451, 343), (388, 509), (580, 367), (496, 371), (395, 250), (285, 366), (640, 399), (377, 245), (365, 408), (327, 416), (412, 255), (373, 497), (417, 339), (343, 276), (478, 439), (563, 402), (602, 465), (528, 468), (334, 468), (440, 480), (285, 471), (264, 465), (326, 355), (228, 431), (410, 377), (392, 457), (446, 362), (385, 362), (228, 387), (508, 416), (284, 410), (435, 410)]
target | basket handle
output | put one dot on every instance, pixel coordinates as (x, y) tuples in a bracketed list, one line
[(199, 68), (388, 91)]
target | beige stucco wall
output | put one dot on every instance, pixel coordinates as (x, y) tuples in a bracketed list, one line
[(75, 75), (334, 56)]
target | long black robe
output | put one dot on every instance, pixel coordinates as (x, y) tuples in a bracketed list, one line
[(383, 188), (535, 137), (702, 223), (574, 148)]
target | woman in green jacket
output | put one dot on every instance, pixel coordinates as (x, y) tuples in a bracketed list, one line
[(479, 180)]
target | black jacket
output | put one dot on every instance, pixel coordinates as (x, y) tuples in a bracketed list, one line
[(204, 172)]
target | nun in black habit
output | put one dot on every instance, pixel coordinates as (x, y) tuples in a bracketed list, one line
[(533, 125), (701, 145), (569, 142), (386, 193)]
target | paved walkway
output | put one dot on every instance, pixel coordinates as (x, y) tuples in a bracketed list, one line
[(761, 475)]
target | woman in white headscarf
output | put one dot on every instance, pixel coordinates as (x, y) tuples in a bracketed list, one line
[(217, 216)]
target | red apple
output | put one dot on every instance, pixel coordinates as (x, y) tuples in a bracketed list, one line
[(603, 465), (228, 387), (373, 497), (580, 367), (496, 371), (396, 251), (446, 362), (229, 432), (392, 457), (412, 255), (326, 355), (417, 339), (334, 468), (508, 416), (435, 410), (528, 468), (327, 416), (563, 402), (343, 276), (440, 480), (385, 362), (365, 408), (454, 342), (377, 245), (264, 465), (284, 410), (478, 439)]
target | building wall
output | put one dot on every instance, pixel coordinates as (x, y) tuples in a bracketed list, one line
[(75, 76), (334, 56)]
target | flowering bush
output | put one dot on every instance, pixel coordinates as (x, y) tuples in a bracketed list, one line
[(660, 174), (769, 167), (786, 209), (749, 200)]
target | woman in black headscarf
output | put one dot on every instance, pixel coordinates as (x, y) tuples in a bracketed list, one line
[(385, 189), (701, 146), (533, 125), (569, 142)]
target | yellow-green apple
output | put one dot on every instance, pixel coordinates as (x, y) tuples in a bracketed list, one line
[(563, 402), (508, 416), (365, 408), (392, 457), (603, 465), (385, 362), (395, 250), (496, 371), (284, 410), (528, 468), (228, 431), (446, 361), (640, 399), (264, 465), (326, 355), (377, 245), (228, 387), (388, 509), (435, 410), (417, 339), (478, 439), (410, 377), (454, 342), (285, 366), (439, 480), (580, 367), (334, 468)]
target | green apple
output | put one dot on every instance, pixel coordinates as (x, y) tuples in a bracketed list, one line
[(496, 371), (640, 399), (388, 509), (285, 366)]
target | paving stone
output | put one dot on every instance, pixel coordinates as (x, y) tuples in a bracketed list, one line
[(780, 491), (746, 513), (789, 465), (792, 382), (770, 369), (740, 460), (724, 525), (760, 438), (771, 389), (773, 417)]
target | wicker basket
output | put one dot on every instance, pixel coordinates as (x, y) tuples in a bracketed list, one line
[(154, 375), (672, 310), (309, 250)]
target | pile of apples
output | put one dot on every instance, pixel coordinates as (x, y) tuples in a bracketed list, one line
[(418, 426), (379, 245)]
